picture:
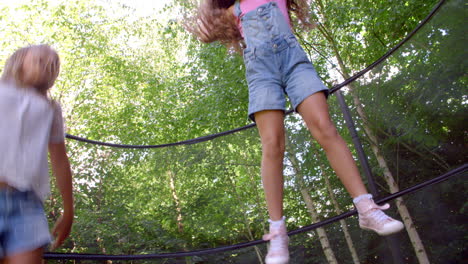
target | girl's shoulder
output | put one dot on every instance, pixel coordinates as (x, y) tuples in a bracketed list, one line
[(14, 96), (7, 86), (12, 89)]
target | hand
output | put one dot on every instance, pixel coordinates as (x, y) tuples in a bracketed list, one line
[(61, 230)]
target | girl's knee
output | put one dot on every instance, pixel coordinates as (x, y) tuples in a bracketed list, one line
[(325, 131), (273, 149)]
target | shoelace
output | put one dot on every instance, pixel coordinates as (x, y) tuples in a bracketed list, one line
[(277, 241), (378, 215)]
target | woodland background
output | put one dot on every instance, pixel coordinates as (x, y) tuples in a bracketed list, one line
[(144, 80)]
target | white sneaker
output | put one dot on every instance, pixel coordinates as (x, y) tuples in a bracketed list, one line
[(278, 252), (372, 218)]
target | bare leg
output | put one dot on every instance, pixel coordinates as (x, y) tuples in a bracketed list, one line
[(270, 125), (314, 111), (30, 257)]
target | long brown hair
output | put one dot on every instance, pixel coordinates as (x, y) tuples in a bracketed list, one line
[(214, 21)]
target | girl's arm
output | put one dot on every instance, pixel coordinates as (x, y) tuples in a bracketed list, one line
[(63, 175)]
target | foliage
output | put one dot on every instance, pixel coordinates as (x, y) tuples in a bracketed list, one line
[(144, 80)]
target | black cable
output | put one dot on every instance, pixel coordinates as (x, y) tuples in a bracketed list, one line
[(185, 142), (79, 256), (390, 197), (212, 136)]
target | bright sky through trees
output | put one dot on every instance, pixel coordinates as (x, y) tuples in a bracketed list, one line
[(142, 7), (145, 7)]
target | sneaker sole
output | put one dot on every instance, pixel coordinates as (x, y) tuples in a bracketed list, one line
[(277, 261), (385, 233)]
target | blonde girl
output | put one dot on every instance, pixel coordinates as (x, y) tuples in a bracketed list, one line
[(31, 126)]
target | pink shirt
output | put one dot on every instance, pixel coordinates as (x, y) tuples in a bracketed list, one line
[(249, 5)]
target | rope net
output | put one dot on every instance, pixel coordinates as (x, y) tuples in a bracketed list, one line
[(410, 113)]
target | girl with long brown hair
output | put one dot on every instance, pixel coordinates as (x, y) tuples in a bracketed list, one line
[(276, 67)]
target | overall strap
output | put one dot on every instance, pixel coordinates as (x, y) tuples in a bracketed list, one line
[(237, 9)]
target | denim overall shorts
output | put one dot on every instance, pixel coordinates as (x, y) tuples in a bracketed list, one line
[(276, 65)]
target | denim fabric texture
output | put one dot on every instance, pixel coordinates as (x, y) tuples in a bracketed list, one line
[(276, 65), (23, 224)]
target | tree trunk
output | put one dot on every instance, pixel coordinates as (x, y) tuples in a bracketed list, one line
[(327, 250), (99, 199), (338, 211), (245, 219), (180, 225), (402, 209), (388, 176), (393, 187)]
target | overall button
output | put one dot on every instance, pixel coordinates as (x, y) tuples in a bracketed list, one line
[(260, 10), (275, 46)]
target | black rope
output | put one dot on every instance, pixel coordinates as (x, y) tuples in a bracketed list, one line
[(185, 142), (213, 136), (390, 197), (79, 256)]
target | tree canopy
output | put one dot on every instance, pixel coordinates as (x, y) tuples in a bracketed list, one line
[(135, 79)]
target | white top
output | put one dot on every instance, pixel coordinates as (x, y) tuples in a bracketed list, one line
[(28, 122)]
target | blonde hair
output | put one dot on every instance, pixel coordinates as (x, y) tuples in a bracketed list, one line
[(214, 21), (34, 66)]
